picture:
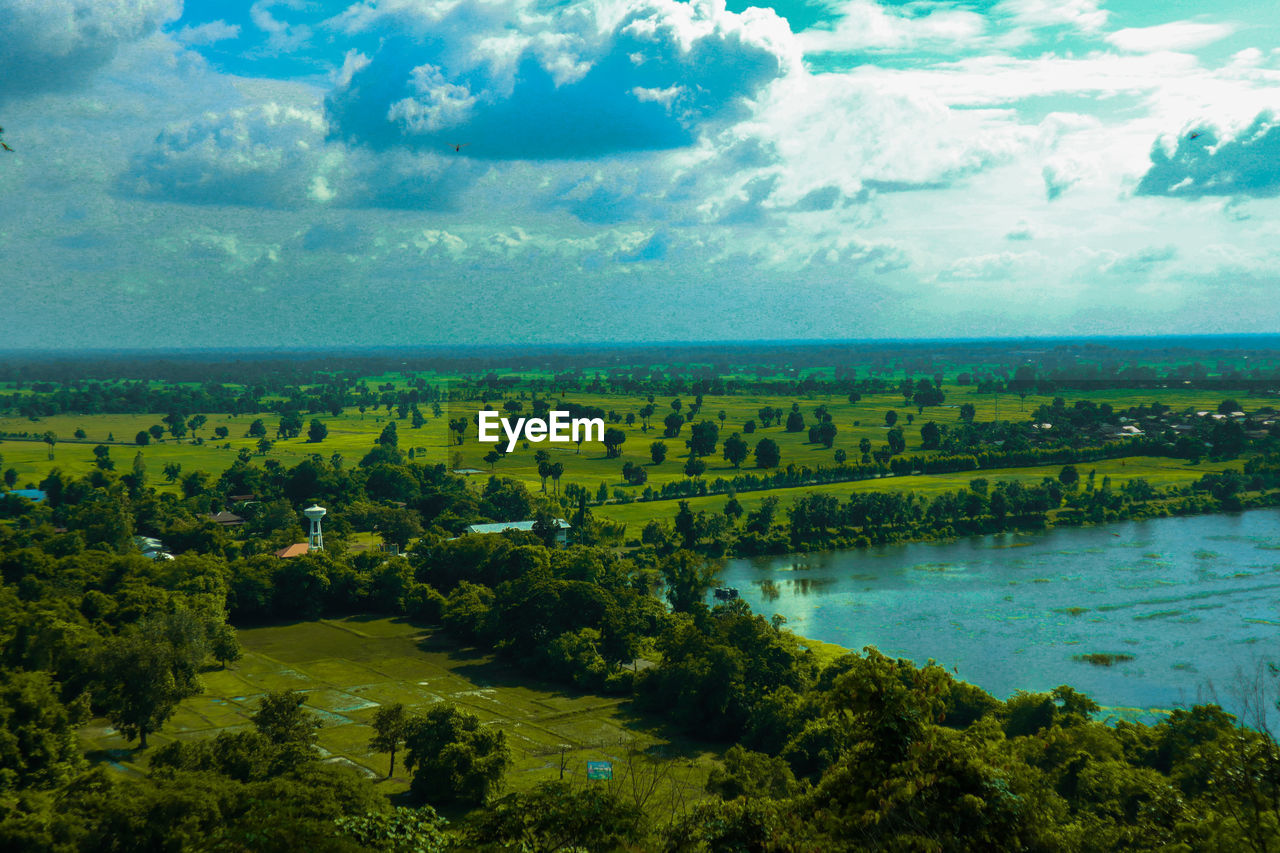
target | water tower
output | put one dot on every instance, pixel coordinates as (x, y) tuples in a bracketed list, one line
[(315, 539)]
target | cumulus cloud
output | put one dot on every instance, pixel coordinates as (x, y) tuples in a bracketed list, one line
[(1203, 163), (276, 156), (266, 155), (50, 45), (578, 81)]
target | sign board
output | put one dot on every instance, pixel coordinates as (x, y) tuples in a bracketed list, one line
[(599, 770)]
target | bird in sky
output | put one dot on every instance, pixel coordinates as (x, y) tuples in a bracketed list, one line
[(458, 146), (1194, 135), (4, 144)]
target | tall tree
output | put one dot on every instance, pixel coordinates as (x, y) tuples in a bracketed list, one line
[(390, 727)]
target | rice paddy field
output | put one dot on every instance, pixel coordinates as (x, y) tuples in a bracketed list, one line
[(349, 667)]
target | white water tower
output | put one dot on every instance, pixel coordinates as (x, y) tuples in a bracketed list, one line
[(315, 539)]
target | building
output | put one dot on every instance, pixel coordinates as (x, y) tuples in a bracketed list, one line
[(562, 528), (226, 519), (296, 550)]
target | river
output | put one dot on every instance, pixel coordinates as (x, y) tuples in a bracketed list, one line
[(1195, 603)]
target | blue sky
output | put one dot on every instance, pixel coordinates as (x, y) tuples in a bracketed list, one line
[(283, 172)]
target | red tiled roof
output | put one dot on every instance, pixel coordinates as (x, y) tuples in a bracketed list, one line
[(296, 550)]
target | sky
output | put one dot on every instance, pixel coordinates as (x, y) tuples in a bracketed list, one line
[(308, 173)]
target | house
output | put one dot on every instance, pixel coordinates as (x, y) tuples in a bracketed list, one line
[(226, 519), (562, 528), (151, 548), (296, 550)]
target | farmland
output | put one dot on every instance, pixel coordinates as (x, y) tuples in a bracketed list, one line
[(348, 667)]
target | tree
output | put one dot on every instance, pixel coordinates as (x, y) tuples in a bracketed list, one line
[(143, 438), (1228, 406), (156, 431), (388, 438), (688, 576), (694, 467), (827, 433), (544, 471), (139, 469), (11, 477), (453, 757), (290, 425), (390, 728), (768, 455), (658, 452), (967, 412), (80, 433), (224, 644), (142, 678), (897, 441), (172, 470), (38, 731), (221, 432), (257, 429), (556, 816), (702, 438), (50, 438), (557, 470), (686, 525), (633, 474), (795, 422), (890, 418), (613, 440), (102, 458), (196, 423), (317, 431), (930, 436), (736, 450), (841, 456), (1069, 476), (281, 719), (672, 424)]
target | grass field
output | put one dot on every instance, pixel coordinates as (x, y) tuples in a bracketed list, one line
[(348, 667), (351, 435), (1158, 471)]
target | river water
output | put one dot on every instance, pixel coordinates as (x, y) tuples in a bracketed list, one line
[(1194, 601)]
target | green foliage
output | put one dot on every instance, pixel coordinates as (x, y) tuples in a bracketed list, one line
[(453, 757), (557, 816), (402, 830)]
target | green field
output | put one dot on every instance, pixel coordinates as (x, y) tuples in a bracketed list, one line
[(348, 667), (351, 435), (1160, 472)]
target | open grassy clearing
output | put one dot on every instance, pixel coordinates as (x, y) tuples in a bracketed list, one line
[(348, 667), (1158, 471)]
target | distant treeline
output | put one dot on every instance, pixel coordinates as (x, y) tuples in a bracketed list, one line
[(1078, 363)]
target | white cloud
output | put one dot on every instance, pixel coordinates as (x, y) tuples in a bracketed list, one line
[(210, 32), (867, 25), (1083, 15), (1176, 35)]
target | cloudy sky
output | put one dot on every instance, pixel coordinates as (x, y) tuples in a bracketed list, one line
[(284, 172)]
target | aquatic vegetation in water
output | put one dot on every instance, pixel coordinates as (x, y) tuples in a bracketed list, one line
[(1102, 658), (1071, 611)]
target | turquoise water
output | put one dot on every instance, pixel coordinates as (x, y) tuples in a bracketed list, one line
[(1194, 601)]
